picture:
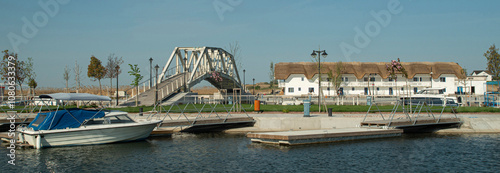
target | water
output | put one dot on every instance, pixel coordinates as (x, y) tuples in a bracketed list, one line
[(235, 153)]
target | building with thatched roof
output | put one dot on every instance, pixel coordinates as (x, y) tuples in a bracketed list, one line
[(367, 78)]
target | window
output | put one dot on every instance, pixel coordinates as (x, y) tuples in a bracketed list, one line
[(352, 89), (311, 89), (328, 89), (415, 90), (378, 89), (372, 79), (415, 79), (390, 91), (402, 89), (442, 79), (390, 79), (290, 90), (302, 79), (299, 89), (345, 79), (365, 79), (366, 91)]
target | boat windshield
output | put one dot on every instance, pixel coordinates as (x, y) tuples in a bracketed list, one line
[(115, 119)]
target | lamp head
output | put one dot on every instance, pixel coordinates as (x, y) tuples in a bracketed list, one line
[(313, 55), (324, 54)]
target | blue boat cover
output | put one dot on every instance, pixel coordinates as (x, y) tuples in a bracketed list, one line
[(62, 119)]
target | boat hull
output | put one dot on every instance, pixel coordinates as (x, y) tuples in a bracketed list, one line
[(90, 135)]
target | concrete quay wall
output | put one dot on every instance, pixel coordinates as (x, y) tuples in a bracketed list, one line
[(473, 123)]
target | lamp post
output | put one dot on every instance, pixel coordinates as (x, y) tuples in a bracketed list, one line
[(150, 71), (117, 69), (313, 55), (185, 74), (253, 92), (244, 81), (156, 86)]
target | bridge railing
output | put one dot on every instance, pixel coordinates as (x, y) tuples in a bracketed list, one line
[(146, 85)]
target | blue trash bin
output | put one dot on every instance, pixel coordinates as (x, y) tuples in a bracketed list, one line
[(307, 106), (369, 100)]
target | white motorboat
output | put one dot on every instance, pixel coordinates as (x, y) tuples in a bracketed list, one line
[(430, 96), (69, 127)]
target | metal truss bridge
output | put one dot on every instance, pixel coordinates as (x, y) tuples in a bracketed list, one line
[(188, 66)]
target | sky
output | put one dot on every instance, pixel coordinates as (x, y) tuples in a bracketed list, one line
[(65, 31)]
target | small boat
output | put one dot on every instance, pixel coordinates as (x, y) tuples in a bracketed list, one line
[(71, 127), (431, 97)]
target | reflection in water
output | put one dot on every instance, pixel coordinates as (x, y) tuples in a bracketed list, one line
[(218, 152)]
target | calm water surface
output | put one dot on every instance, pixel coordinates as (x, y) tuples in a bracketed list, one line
[(235, 153)]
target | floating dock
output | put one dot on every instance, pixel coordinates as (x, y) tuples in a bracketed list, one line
[(322, 136)]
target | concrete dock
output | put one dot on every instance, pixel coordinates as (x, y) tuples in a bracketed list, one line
[(321, 136)]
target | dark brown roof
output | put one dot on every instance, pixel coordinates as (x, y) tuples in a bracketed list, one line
[(283, 70)]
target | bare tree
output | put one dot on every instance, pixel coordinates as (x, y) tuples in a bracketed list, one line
[(271, 75), (77, 76), (234, 49), (113, 61), (66, 77)]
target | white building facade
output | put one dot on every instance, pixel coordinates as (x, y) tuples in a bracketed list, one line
[(373, 79)]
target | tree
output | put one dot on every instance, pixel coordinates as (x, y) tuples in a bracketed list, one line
[(96, 70), (77, 76), (336, 78), (271, 75), (136, 73), (234, 49), (66, 77), (20, 72), (396, 67), (493, 59), (33, 84), (113, 61)]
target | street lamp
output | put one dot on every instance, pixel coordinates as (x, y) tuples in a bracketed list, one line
[(244, 81), (150, 71), (156, 85), (253, 86), (117, 69), (314, 55), (185, 74)]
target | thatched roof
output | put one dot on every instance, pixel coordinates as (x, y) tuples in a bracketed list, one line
[(283, 70)]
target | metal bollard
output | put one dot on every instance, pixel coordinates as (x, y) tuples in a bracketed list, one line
[(330, 112), (140, 111)]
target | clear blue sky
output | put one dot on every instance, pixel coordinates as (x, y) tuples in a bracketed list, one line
[(279, 31)]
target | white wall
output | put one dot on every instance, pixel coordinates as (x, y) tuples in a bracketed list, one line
[(301, 85)]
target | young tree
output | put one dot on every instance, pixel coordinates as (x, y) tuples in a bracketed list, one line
[(493, 59), (113, 61), (136, 73), (77, 76), (33, 84), (66, 77), (396, 67), (234, 49), (336, 78), (96, 70), (271, 75)]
